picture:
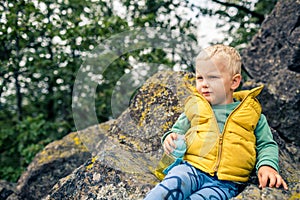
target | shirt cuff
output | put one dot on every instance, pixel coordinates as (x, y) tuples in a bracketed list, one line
[(267, 163)]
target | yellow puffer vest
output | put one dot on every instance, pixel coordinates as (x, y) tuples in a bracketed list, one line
[(230, 154)]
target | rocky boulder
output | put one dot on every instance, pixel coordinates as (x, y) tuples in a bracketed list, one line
[(130, 150), (273, 58), (7, 190), (56, 161)]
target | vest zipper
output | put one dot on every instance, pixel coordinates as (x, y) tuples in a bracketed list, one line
[(219, 153), (222, 134), (215, 168), (220, 141)]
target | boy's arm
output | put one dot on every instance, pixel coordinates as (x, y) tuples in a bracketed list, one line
[(267, 156), (266, 147), (181, 126)]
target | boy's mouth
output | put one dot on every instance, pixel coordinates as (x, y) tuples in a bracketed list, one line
[(205, 93)]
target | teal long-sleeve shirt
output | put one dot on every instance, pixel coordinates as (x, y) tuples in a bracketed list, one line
[(266, 147)]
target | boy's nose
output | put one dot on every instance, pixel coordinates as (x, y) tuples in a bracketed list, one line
[(205, 84)]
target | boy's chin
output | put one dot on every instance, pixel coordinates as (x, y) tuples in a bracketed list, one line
[(209, 100)]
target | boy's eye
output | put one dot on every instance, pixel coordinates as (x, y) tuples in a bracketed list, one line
[(199, 78), (213, 77)]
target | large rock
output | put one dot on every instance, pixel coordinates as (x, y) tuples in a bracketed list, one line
[(56, 161), (129, 151), (7, 190), (273, 58)]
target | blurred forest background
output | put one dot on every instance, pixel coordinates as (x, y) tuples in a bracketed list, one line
[(43, 43)]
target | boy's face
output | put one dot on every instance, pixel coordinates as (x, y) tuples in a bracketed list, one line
[(214, 82)]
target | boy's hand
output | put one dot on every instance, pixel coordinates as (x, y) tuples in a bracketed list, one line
[(169, 144), (269, 175)]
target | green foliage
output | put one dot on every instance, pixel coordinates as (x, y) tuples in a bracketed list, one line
[(10, 172), (41, 47), (239, 20), (19, 144), (35, 133)]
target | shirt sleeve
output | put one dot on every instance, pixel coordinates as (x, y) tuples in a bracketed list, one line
[(266, 147), (181, 126)]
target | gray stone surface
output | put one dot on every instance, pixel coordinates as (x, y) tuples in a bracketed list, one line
[(273, 58)]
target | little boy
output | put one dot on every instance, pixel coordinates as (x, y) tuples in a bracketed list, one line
[(225, 132)]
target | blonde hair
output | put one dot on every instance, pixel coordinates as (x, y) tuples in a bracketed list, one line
[(229, 54)]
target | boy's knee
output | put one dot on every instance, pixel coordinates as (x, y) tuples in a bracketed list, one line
[(181, 170)]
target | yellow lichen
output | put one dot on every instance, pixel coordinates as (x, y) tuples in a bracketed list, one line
[(143, 117), (136, 145), (295, 196), (122, 137), (44, 157), (77, 141), (239, 197), (92, 163)]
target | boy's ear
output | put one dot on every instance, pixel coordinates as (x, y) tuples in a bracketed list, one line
[(236, 80)]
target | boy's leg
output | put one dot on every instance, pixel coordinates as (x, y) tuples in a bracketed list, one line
[(186, 182), (216, 189), (178, 184)]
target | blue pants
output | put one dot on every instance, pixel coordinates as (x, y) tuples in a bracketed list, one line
[(186, 182)]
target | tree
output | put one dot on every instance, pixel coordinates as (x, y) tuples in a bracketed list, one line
[(41, 47), (240, 20)]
